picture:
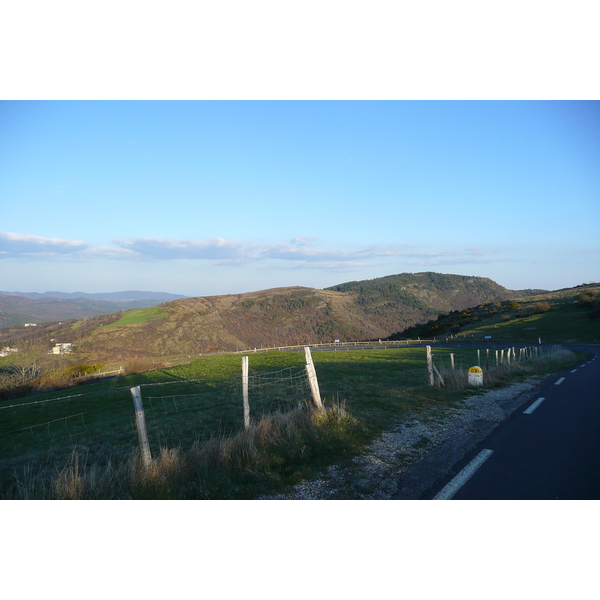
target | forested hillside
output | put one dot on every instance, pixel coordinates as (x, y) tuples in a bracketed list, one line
[(283, 316)]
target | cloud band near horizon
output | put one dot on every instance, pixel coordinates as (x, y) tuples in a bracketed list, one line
[(299, 251)]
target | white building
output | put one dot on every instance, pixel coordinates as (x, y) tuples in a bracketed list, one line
[(62, 348)]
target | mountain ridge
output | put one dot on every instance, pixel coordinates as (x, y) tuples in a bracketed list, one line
[(368, 309), (20, 309), (127, 296)]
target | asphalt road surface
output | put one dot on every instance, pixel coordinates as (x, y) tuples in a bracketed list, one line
[(547, 449)]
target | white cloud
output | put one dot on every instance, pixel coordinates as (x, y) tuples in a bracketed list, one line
[(15, 244), (300, 253), (110, 252), (302, 240), (170, 249)]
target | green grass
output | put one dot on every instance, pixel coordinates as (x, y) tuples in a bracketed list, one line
[(565, 323), (556, 317), (378, 388), (139, 315)]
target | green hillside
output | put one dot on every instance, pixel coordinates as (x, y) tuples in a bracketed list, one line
[(566, 316)]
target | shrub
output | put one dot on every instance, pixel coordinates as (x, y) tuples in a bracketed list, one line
[(586, 298), (541, 307)]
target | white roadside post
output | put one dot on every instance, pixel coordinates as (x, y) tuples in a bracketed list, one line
[(140, 422), (245, 392), (312, 378), (475, 376)]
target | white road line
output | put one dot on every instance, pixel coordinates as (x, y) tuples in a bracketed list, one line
[(533, 406), (451, 488), (573, 371), (559, 381)]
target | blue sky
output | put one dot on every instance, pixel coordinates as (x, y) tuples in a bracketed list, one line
[(216, 197)]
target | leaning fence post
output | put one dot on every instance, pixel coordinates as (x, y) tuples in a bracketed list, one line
[(245, 392), (312, 378), (439, 375), (140, 422)]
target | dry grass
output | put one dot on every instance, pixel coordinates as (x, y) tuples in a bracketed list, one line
[(226, 467), (457, 379)]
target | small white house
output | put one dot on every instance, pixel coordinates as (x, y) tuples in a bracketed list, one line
[(8, 350), (62, 348)]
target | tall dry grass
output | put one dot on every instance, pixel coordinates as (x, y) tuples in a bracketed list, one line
[(457, 379), (266, 453)]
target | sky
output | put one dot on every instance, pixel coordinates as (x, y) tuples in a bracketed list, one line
[(217, 197)]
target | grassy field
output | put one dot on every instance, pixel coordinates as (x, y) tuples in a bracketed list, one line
[(191, 404), (563, 324), (139, 315)]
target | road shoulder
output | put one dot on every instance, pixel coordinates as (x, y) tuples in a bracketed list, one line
[(406, 460)]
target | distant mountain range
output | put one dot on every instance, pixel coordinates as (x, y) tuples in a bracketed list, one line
[(18, 308), (356, 310), (129, 296)]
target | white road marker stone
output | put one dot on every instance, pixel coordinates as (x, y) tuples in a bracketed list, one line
[(451, 488), (533, 406)]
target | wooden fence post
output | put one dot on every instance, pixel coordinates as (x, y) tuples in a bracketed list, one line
[(140, 422), (439, 375), (429, 365), (245, 392), (312, 378)]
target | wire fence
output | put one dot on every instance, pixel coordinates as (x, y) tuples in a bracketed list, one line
[(41, 435), (488, 358)]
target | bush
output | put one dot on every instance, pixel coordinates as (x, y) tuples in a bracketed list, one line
[(586, 298), (541, 307)]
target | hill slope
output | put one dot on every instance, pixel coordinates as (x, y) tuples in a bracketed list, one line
[(563, 316), (283, 316)]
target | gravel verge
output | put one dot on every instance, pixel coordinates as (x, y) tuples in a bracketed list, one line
[(404, 461)]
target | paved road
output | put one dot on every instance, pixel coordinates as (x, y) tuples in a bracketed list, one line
[(547, 449)]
